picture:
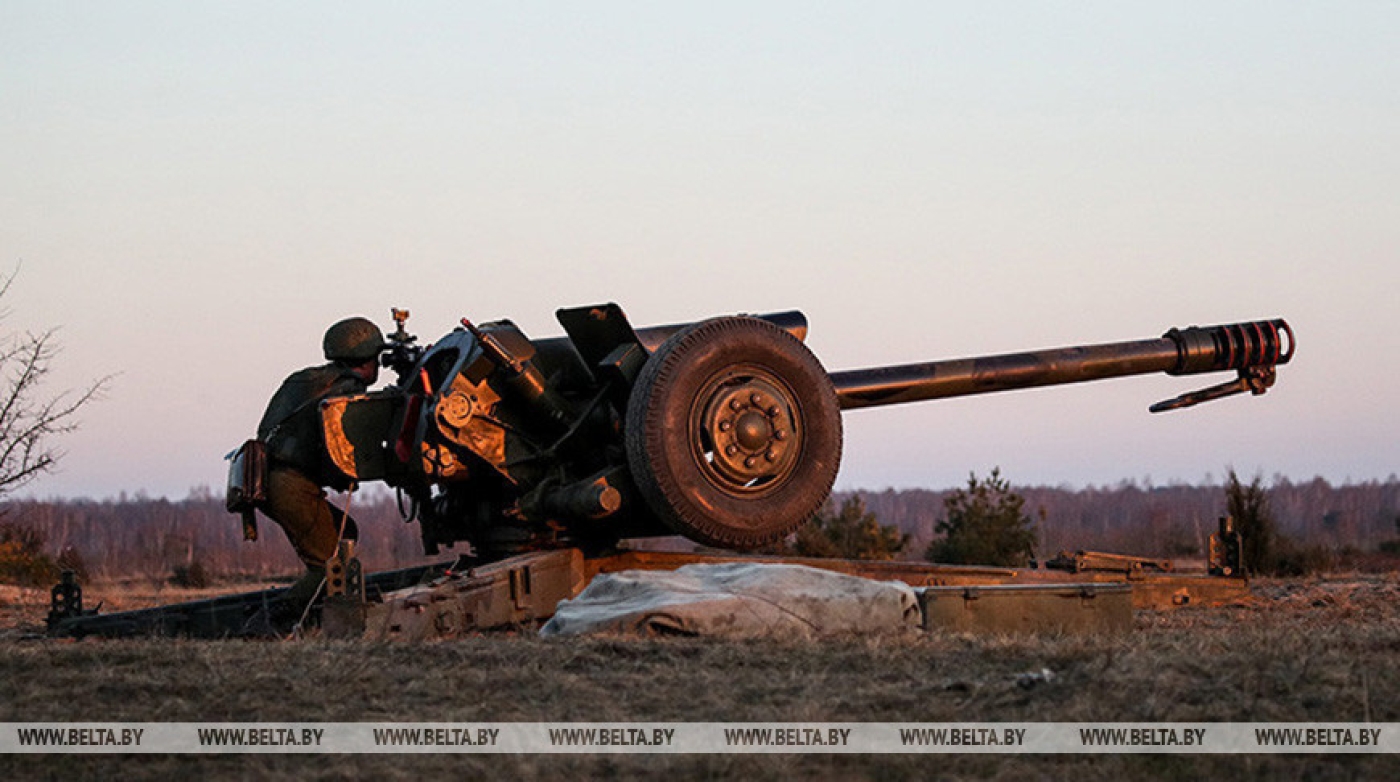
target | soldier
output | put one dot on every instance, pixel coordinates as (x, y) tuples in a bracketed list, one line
[(298, 466)]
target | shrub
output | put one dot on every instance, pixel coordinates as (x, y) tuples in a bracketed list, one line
[(986, 524), (1294, 559), (22, 557), (1266, 552), (191, 576), (1254, 520), (851, 533)]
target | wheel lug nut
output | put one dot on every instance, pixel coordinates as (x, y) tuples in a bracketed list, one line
[(726, 425), (771, 456), (774, 411), (730, 450), (780, 434), (736, 405), (757, 399), (751, 461)]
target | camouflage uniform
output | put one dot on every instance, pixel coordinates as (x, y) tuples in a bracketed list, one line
[(297, 462), (298, 466)]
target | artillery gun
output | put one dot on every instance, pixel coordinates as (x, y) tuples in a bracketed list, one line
[(726, 431)]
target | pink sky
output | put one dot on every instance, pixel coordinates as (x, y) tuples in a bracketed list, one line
[(194, 193)]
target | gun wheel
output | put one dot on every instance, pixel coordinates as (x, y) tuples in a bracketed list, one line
[(734, 433)]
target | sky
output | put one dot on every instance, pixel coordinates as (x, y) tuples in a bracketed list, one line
[(192, 192)]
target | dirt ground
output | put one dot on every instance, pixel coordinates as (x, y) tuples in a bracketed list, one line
[(1315, 650)]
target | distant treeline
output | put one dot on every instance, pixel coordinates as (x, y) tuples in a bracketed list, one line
[(1173, 521), (140, 536)]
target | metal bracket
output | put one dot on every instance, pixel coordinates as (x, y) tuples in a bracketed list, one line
[(1255, 380), (343, 613), (66, 600)]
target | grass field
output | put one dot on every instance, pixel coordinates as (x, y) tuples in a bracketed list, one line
[(1304, 651)]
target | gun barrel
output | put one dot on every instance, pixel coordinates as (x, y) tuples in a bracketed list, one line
[(1194, 350)]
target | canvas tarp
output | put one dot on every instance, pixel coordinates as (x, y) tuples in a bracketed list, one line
[(737, 600)]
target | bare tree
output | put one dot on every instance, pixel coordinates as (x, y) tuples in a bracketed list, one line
[(30, 419)]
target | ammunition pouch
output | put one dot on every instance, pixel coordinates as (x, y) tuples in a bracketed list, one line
[(247, 484)]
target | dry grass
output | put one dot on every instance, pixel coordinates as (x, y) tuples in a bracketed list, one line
[(1298, 651)]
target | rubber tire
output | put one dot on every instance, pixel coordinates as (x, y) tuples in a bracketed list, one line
[(658, 434)]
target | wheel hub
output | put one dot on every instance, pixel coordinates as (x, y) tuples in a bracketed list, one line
[(748, 431)]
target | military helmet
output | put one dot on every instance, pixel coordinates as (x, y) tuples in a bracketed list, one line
[(353, 339)]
